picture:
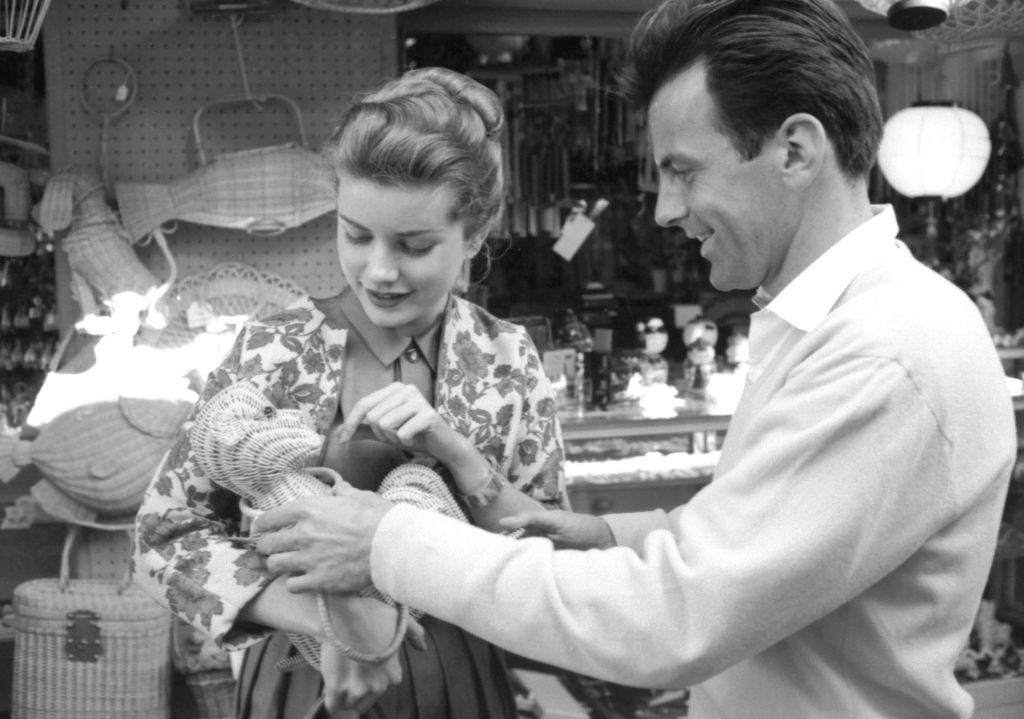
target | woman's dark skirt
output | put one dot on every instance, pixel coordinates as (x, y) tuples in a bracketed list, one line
[(457, 676)]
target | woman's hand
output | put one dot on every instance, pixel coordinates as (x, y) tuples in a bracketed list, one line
[(566, 530), (352, 686), (368, 625), (401, 415)]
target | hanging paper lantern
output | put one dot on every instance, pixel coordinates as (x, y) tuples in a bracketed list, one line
[(911, 14), (934, 151)]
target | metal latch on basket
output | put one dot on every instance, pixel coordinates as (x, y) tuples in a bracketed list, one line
[(84, 643)]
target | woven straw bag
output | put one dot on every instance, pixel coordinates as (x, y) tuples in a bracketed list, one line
[(230, 290), (89, 648)]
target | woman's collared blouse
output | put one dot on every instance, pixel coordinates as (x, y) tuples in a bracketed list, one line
[(490, 387)]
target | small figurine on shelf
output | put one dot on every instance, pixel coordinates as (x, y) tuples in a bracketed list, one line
[(655, 368), (737, 352), (700, 336), (575, 334)]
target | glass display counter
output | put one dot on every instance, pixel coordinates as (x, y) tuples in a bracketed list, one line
[(619, 460)]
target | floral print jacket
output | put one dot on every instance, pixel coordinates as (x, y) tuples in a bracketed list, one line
[(490, 387)]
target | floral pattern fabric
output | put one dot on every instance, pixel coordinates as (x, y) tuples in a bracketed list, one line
[(490, 387)]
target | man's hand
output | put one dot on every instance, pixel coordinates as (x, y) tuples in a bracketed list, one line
[(566, 530), (322, 541)]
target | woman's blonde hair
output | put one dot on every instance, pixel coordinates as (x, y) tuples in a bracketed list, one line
[(430, 126)]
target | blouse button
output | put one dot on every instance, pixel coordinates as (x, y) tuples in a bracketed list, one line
[(412, 354)]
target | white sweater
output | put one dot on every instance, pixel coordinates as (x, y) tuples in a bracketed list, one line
[(833, 566)]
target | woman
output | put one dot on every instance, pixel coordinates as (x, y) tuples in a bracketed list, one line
[(393, 367)]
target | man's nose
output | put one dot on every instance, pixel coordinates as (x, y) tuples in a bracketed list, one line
[(671, 208)]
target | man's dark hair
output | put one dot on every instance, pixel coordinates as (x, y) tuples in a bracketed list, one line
[(765, 60)]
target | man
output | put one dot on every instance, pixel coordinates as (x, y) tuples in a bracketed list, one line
[(833, 566)]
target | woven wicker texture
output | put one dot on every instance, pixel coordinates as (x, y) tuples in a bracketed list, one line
[(21, 22), (375, 7), (263, 454), (245, 444), (97, 246), (129, 679), (233, 290), (976, 19), (265, 190), (103, 454)]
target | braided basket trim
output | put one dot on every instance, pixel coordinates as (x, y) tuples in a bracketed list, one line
[(974, 19)]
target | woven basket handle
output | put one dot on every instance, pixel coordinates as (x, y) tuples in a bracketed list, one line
[(74, 530), (255, 100)]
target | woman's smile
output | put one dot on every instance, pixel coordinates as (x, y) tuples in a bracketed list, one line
[(386, 300)]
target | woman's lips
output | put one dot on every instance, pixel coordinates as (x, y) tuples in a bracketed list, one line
[(386, 300)]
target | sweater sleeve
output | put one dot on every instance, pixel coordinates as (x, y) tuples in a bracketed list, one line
[(818, 504)]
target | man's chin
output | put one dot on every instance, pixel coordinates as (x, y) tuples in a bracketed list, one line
[(722, 284), (726, 283)]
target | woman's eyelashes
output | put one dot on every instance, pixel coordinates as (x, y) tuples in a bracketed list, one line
[(414, 249), (357, 239)]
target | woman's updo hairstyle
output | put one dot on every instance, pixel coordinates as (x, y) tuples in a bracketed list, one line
[(429, 126)]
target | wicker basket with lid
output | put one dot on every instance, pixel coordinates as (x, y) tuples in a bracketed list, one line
[(89, 649)]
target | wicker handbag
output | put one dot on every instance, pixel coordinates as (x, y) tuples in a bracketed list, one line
[(89, 649)]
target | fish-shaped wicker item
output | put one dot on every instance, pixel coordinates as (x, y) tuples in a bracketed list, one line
[(101, 455), (265, 190)]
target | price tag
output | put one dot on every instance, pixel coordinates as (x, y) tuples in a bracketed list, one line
[(574, 233)]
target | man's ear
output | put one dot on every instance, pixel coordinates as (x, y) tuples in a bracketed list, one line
[(806, 147)]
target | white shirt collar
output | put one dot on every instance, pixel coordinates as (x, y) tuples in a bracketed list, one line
[(809, 297)]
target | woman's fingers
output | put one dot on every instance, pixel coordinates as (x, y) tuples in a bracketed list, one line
[(533, 521), (362, 407), (416, 635), (352, 686), (387, 412), (567, 530)]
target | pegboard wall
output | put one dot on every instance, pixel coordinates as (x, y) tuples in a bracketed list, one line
[(318, 58)]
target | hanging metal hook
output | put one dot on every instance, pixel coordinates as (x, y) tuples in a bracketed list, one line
[(236, 22)]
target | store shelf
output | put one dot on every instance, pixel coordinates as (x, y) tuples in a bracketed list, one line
[(638, 496), (630, 422), (997, 698)]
